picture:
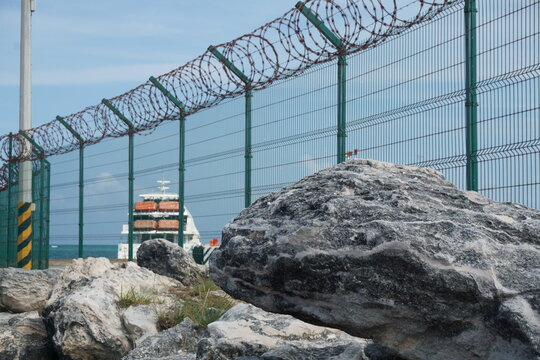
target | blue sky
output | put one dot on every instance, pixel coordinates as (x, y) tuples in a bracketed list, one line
[(86, 50)]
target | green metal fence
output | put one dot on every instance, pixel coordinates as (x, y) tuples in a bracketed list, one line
[(459, 92), (40, 216)]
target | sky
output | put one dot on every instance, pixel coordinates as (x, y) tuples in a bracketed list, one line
[(86, 50)]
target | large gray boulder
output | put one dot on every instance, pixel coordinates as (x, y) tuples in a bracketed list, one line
[(83, 314), (166, 258), (26, 290), (396, 254), (247, 331), (24, 337)]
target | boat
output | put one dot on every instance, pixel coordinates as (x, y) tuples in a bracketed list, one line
[(156, 217)]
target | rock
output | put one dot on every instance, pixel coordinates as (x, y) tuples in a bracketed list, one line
[(23, 337), (25, 290), (392, 253), (167, 258), (83, 314), (178, 343), (140, 322), (246, 331)]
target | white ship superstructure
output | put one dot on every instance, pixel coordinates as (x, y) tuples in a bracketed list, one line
[(156, 217)]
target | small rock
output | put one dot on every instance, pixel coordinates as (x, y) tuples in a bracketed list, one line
[(178, 343), (26, 290), (24, 337), (247, 331), (166, 258), (82, 313)]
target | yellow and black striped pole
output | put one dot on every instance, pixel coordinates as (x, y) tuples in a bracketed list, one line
[(24, 239)]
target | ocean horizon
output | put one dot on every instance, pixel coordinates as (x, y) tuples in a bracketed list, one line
[(72, 251)]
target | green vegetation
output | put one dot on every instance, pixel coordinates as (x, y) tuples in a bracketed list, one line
[(198, 304), (135, 297)]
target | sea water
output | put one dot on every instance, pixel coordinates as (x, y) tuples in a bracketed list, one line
[(72, 251)]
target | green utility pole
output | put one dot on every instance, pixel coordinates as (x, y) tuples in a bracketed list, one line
[(11, 243), (121, 116), (342, 77), (41, 152), (181, 156), (81, 181), (471, 102), (247, 126)]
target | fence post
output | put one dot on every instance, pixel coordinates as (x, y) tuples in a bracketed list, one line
[(81, 181), (48, 210), (342, 77), (41, 264), (181, 156), (11, 248), (24, 242), (247, 125), (130, 175), (471, 103)]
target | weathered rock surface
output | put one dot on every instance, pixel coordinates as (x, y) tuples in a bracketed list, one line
[(166, 258), (247, 331), (178, 343), (82, 314), (23, 337), (140, 322), (26, 290), (392, 253)]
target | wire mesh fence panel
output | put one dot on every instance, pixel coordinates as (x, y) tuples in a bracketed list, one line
[(406, 98), (40, 218), (509, 100), (215, 171), (294, 129)]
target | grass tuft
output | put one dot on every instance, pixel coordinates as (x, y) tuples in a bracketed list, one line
[(135, 297), (198, 304)]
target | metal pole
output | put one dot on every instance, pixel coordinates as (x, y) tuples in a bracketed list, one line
[(48, 209), (342, 107), (130, 175), (130, 203), (471, 103), (181, 179), (11, 244), (81, 200), (247, 155), (181, 156), (24, 222), (247, 127), (342, 78), (81, 181), (25, 216)]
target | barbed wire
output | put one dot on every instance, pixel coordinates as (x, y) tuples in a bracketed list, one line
[(282, 48)]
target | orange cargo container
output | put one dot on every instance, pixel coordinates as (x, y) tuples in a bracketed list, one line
[(168, 224), (146, 206), (145, 224), (168, 206)]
